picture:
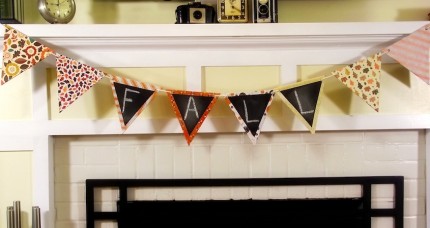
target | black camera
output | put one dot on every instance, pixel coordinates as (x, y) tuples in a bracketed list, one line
[(265, 11), (195, 13)]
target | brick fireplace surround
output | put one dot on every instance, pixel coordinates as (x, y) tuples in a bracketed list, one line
[(66, 152)]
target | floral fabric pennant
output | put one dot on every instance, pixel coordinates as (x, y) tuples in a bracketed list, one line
[(413, 52), (251, 110), (74, 79), (362, 78), (131, 97), (303, 99), (20, 53), (191, 109)]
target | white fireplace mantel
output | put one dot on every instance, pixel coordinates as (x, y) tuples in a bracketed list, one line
[(193, 47)]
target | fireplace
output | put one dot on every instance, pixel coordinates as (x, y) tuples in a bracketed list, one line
[(349, 212)]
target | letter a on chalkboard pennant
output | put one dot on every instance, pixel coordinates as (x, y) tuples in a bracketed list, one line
[(303, 99), (131, 97), (251, 110), (191, 109)]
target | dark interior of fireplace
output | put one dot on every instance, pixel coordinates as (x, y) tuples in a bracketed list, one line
[(351, 212)]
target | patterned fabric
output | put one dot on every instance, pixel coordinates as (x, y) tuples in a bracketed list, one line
[(413, 53), (362, 78), (132, 103), (20, 53), (250, 110), (191, 109), (74, 79)]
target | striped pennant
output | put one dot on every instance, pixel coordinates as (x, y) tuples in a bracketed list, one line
[(131, 97), (413, 52)]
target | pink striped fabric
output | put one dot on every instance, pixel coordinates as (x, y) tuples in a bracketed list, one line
[(413, 52)]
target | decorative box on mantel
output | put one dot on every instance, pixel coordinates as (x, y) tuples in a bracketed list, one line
[(194, 47)]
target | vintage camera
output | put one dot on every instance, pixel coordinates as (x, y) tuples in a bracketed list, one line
[(195, 13), (265, 11)]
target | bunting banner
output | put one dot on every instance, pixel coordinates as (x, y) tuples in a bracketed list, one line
[(191, 109), (251, 110), (74, 79), (20, 53), (362, 78), (303, 99), (130, 98), (413, 53)]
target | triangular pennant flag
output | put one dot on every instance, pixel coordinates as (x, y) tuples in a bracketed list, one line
[(74, 79), (413, 52), (20, 53), (362, 78), (251, 110), (303, 99), (131, 97), (191, 109)]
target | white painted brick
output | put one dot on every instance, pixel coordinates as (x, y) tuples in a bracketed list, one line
[(141, 193), (201, 162), (69, 156), (109, 195), (69, 192), (415, 188), (383, 203), (333, 137), (99, 172), (240, 157), (127, 162), (259, 192), (217, 139), (389, 137), (105, 224), (335, 191), (260, 161), (240, 193), (382, 222), (201, 193), (221, 193), (295, 192), (414, 207), (353, 191), (164, 161), (86, 140), (164, 194), (101, 155), (182, 193), (182, 163), (70, 211), (381, 152), (411, 170), (105, 207), (353, 159), (71, 224), (315, 166), (278, 192), (278, 161), (279, 138), (409, 152), (415, 221), (145, 162), (154, 139), (382, 190), (220, 162), (297, 160), (315, 192), (333, 159)]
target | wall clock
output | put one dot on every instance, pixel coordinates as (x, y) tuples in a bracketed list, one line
[(232, 11), (57, 11)]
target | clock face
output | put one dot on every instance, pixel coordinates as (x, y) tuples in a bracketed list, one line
[(232, 11), (57, 11)]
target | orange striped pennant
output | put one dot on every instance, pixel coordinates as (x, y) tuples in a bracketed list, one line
[(413, 52), (131, 97)]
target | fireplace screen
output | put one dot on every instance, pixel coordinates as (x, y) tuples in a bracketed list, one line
[(327, 212)]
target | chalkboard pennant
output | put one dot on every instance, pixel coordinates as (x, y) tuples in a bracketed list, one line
[(191, 109), (250, 110), (303, 99), (362, 78), (412, 52), (74, 79), (20, 53), (131, 97)]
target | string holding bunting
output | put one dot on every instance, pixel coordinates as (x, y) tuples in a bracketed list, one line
[(191, 109), (251, 110), (20, 53), (130, 98), (303, 99)]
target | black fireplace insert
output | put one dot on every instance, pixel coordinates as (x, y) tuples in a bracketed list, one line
[(353, 212)]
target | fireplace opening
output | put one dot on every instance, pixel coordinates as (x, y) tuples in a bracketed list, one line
[(307, 212)]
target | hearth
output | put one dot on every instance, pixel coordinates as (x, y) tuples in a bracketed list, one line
[(348, 212)]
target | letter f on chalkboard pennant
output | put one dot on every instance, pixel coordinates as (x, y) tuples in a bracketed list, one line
[(303, 99), (131, 97), (191, 109), (251, 110)]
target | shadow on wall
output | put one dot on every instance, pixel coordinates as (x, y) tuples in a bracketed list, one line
[(413, 14), (104, 12)]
